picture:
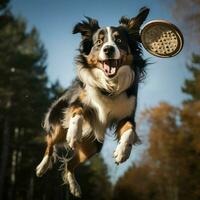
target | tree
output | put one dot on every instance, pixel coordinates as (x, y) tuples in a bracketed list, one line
[(23, 97), (192, 86), (137, 183), (156, 177)]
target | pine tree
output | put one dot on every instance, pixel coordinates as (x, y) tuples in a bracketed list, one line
[(24, 97), (192, 86)]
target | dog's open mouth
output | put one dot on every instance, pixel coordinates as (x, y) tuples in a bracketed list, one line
[(111, 66)]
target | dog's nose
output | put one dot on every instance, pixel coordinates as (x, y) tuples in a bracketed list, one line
[(109, 50)]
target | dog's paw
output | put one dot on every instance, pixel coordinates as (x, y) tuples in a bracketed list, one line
[(74, 187), (124, 147), (75, 190), (122, 152), (74, 131), (44, 165)]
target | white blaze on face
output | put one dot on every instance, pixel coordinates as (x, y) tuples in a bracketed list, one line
[(110, 42)]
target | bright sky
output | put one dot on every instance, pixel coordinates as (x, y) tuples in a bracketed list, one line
[(55, 20)]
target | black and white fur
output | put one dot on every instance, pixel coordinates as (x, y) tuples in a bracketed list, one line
[(104, 94)]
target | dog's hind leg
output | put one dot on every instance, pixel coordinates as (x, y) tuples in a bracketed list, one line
[(84, 150), (57, 136)]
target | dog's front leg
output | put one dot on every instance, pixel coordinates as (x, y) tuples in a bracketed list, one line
[(127, 137), (75, 126)]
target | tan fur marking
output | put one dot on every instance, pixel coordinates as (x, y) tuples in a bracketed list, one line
[(77, 111), (123, 127), (57, 136), (92, 59), (85, 150), (82, 95)]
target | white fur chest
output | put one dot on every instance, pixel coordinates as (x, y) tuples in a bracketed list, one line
[(109, 108)]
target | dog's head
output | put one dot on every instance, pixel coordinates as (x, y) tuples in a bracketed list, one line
[(111, 52)]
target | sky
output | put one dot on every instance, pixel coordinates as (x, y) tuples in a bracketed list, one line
[(55, 20)]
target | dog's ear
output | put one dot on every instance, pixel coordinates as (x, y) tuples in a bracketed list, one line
[(87, 28), (133, 25)]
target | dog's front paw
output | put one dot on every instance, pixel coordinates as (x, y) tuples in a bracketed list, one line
[(74, 131), (124, 147), (122, 152), (44, 165)]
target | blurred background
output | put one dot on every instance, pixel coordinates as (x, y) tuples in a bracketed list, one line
[(37, 49)]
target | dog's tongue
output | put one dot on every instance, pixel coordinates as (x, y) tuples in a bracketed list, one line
[(110, 67), (109, 70)]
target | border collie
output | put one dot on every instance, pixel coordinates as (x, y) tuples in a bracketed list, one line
[(104, 95)]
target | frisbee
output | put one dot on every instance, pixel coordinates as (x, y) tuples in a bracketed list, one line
[(162, 38)]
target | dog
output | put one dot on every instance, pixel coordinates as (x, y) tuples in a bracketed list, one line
[(110, 67)]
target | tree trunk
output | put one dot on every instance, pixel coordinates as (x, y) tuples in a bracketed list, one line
[(4, 153)]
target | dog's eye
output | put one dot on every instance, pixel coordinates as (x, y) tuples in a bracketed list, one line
[(99, 42), (119, 40)]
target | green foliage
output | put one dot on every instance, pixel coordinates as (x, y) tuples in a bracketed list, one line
[(24, 98), (192, 86)]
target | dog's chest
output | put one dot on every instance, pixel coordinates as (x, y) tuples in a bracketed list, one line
[(110, 108)]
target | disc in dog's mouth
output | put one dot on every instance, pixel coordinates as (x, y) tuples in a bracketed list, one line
[(111, 66)]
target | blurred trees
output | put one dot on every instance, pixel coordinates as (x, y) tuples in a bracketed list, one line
[(24, 97), (25, 94), (94, 180), (192, 86), (170, 169), (136, 184)]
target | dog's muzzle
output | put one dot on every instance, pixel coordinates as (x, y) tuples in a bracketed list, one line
[(111, 66)]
